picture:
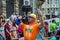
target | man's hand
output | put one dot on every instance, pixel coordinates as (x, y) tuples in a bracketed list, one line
[(41, 18), (4, 38), (20, 17), (39, 12)]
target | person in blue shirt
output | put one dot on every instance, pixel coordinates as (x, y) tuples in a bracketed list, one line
[(17, 21), (40, 35)]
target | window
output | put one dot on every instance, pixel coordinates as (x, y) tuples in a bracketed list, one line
[(53, 11), (43, 11), (56, 9), (55, 1), (49, 10), (48, 1), (58, 2)]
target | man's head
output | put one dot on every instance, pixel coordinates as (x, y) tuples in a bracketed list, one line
[(3, 22), (53, 21), (20, 17), (46, 23), (32, 17)]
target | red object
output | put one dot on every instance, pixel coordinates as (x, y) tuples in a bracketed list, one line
[(7, 26), (20, 29), (46, 29)]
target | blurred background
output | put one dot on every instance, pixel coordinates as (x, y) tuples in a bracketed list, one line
[(50, 8)]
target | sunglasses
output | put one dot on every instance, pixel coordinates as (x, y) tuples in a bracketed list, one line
[(30, 17)]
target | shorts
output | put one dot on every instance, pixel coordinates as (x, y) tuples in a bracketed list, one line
[(49, 34)]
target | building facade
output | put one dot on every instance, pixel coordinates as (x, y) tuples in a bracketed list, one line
[(51, 7), (7, 7)]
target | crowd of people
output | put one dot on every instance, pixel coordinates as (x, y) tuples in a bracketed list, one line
[(13, 28), (55, 29), (9, 28)]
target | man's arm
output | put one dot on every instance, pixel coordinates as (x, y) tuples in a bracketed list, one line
[(4, 36), (41, 18)]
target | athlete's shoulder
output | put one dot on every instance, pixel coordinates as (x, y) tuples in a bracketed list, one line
[(36, 24)]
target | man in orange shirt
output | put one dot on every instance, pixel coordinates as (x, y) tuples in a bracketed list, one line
[(32, 29)]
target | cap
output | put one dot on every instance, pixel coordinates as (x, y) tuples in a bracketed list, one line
[(33, 15)]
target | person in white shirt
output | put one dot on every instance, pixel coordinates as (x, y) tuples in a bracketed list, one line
[(13, 16)]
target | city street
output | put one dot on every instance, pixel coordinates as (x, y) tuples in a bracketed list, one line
[(30, 19)]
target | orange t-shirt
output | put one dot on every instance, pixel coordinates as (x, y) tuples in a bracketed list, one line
[(30, 31)]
